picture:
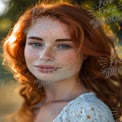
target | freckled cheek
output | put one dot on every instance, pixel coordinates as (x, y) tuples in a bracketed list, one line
[(29, 54), (69, 59)]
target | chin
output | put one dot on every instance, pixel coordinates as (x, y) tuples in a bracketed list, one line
[(53, 77)]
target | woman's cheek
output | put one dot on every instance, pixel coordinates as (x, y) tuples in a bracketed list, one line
[(29, 54), (68, 58)]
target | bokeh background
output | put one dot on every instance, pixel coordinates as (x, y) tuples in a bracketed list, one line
[(10, 10)]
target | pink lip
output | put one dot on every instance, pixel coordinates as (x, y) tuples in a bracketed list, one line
[(46, 68)]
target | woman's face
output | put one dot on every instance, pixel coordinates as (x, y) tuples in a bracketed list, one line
[(50, 53)]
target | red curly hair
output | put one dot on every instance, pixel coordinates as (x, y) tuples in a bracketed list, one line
[(92, 42)]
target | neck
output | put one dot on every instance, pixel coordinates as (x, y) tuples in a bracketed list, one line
[(66, 90)]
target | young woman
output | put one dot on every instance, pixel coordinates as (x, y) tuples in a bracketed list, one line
[(55, 53)]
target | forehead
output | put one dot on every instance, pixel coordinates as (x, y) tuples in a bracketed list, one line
[(46, 25)]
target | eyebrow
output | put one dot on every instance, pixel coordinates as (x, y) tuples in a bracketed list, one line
[(57, 40)]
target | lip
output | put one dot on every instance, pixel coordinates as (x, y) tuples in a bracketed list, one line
[(47, 68)]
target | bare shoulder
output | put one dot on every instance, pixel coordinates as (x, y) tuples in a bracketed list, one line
[(48, 113)]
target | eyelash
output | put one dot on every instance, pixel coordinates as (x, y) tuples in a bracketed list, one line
[(61, 46), (66, 46), (34, 44)]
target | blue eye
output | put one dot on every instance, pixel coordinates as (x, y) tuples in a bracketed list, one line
[(36, 44), (64, 46)]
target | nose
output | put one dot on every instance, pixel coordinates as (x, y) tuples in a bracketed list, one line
[(47, 54)]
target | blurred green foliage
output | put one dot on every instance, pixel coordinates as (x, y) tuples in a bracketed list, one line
[(15, 9)]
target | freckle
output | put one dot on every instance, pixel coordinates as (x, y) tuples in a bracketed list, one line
[(88, 116), (92, 109)]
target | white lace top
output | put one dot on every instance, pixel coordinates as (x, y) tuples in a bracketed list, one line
[(85, 108)]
